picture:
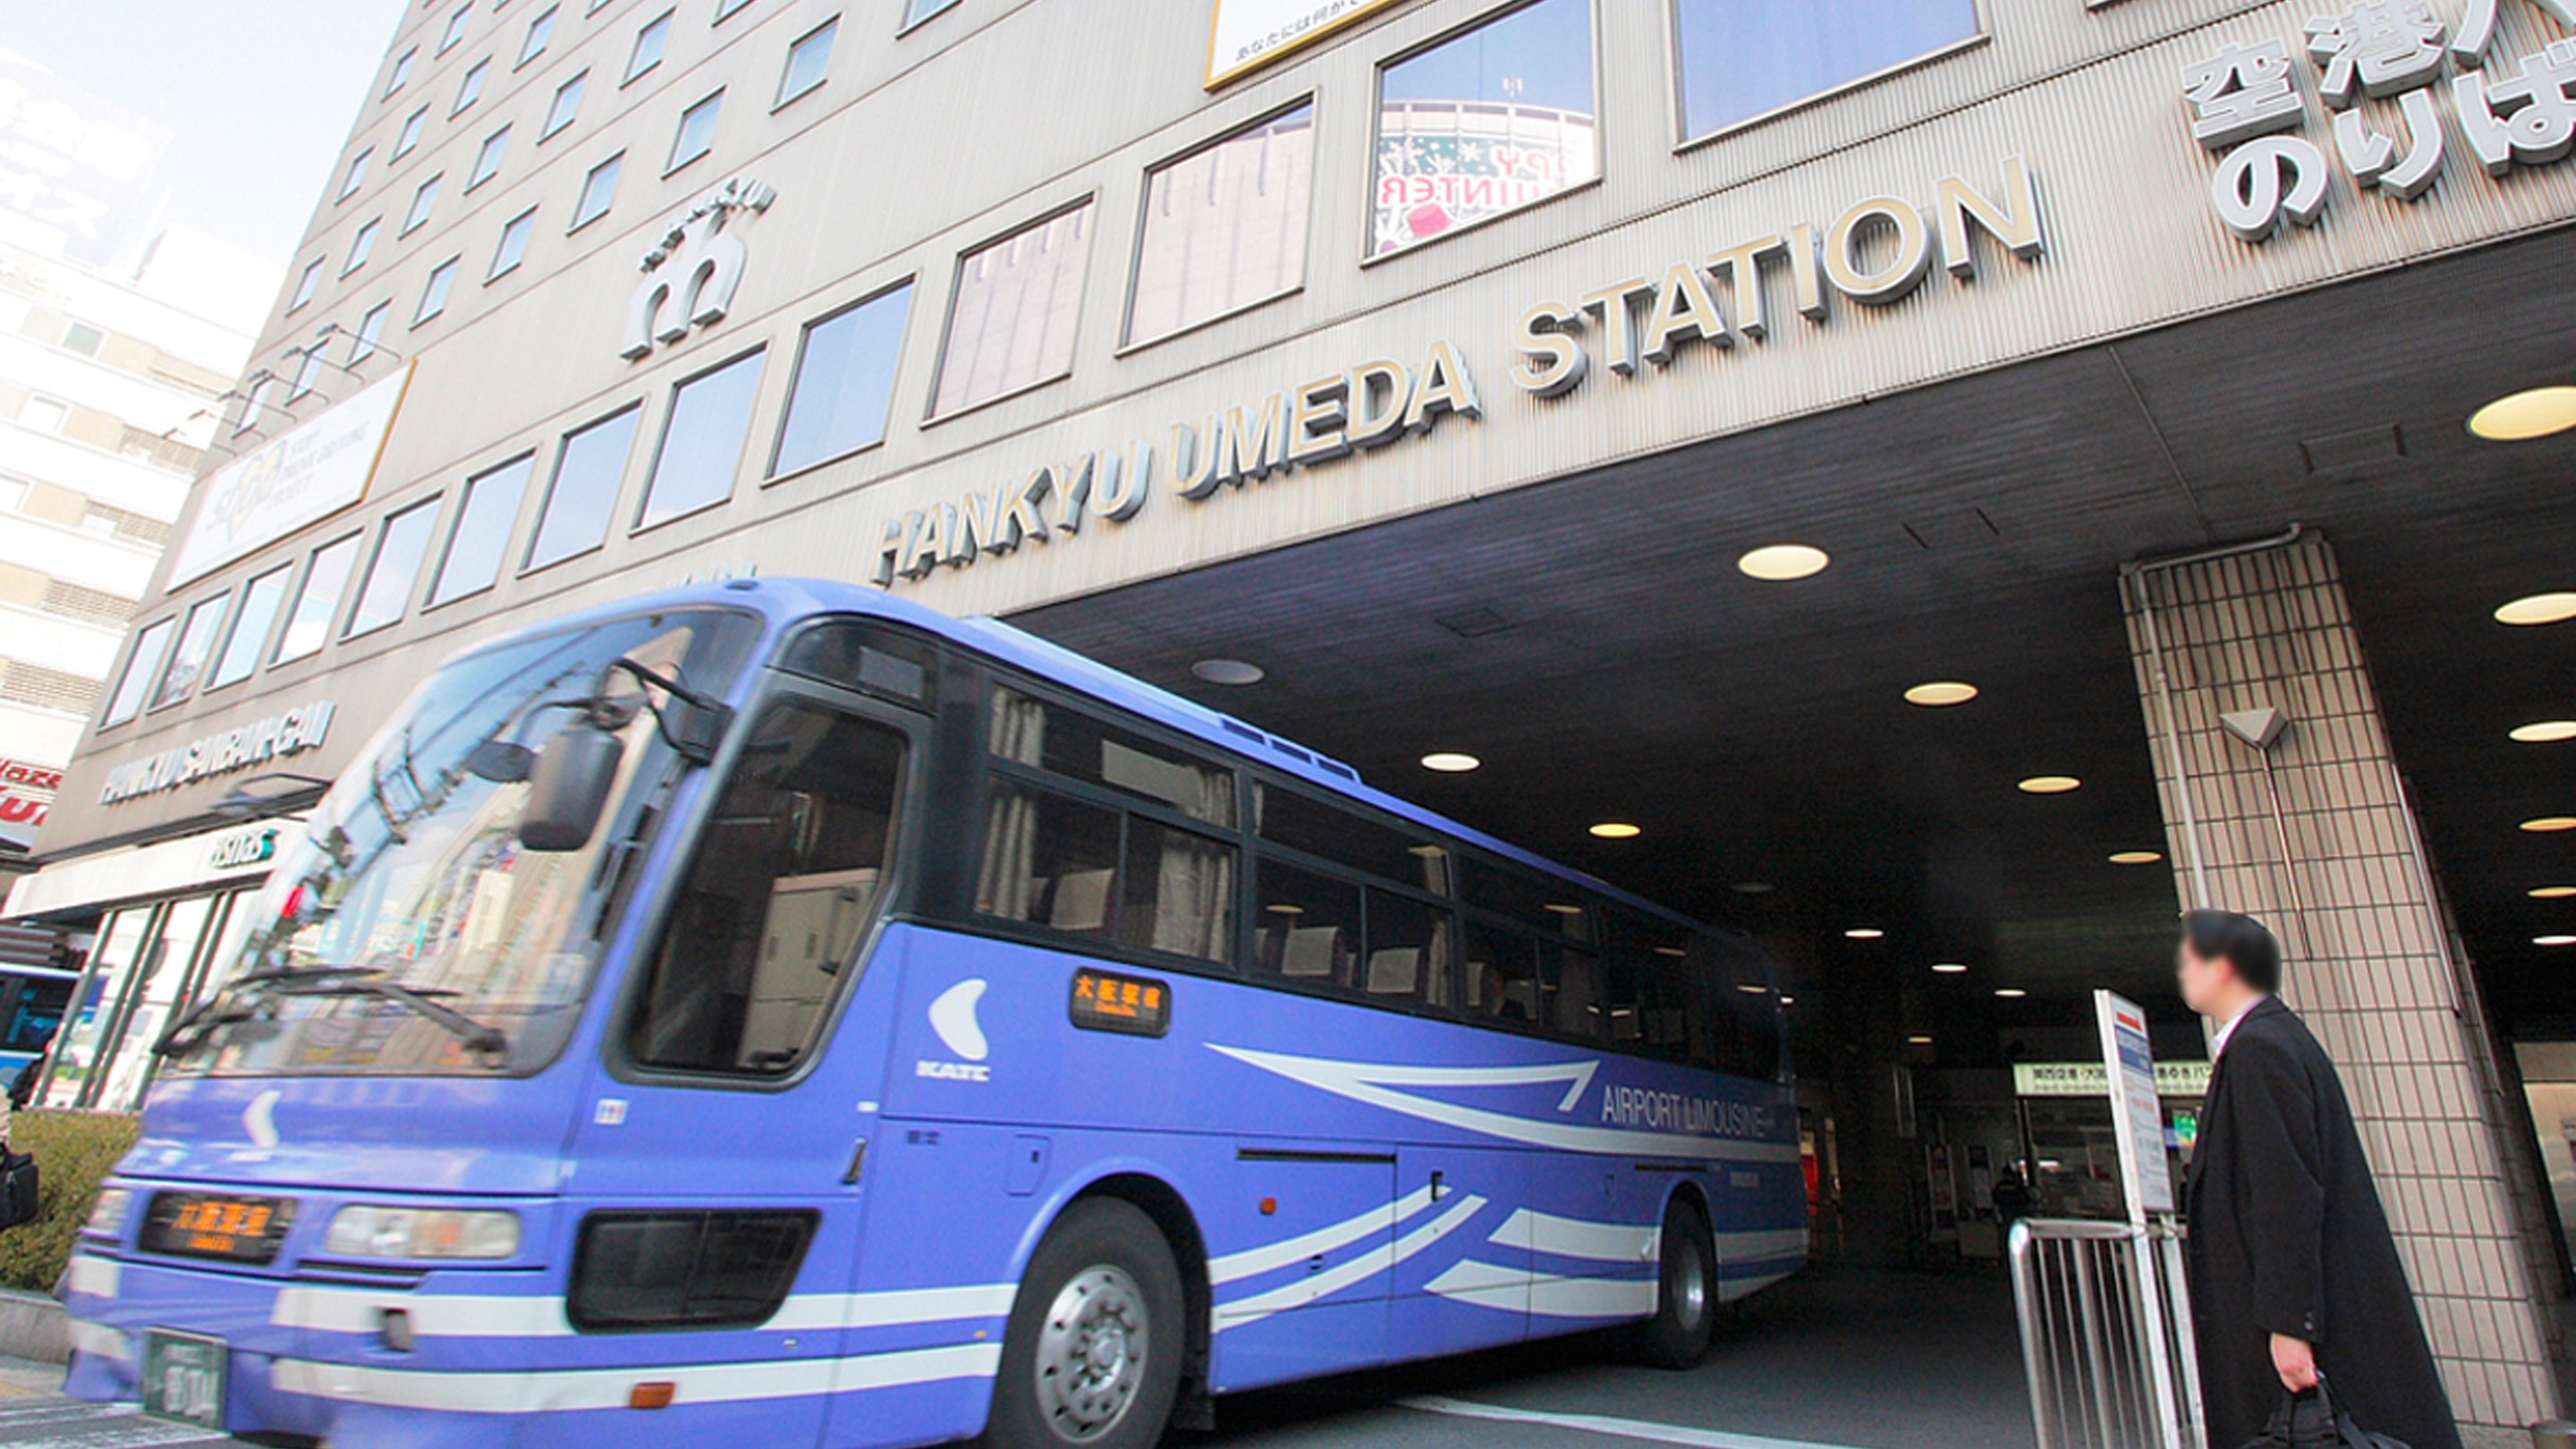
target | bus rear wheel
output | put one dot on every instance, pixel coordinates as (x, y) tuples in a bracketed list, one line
[(1686, 1298), (1093, 1354)]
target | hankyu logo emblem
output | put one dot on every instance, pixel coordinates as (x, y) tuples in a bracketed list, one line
[(691, 275), (952, 1018)]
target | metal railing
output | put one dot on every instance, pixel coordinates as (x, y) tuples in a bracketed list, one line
[(2105, 1335)]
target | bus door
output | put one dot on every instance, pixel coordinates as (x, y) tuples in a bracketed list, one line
[(716, 1166)]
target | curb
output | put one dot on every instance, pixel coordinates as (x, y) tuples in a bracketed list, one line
[(34, 1326)]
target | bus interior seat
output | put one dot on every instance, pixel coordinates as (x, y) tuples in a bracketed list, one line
[(1081, 900), (1396, 971), (1312, 951)]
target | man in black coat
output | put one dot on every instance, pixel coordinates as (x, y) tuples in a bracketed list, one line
[(2293, 1269)]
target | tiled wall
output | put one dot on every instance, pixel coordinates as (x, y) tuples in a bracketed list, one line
[(2372, 965)]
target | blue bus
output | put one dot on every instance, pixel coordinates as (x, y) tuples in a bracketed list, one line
[(772, 1013)]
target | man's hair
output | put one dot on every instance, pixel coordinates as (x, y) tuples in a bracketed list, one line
[(2239, 940)]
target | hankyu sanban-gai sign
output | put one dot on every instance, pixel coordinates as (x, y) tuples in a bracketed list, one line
[(1879, 252)]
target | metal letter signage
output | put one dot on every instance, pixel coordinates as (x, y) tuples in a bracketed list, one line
[(274, 738), (691, 277)]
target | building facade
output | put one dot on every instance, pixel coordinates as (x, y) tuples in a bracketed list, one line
[(1225, 330)]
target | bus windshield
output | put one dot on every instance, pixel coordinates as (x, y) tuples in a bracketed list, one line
[(414, 931)]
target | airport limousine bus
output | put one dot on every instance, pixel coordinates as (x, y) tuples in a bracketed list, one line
[(774, 1014)]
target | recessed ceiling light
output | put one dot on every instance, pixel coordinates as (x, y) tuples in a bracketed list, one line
[(2538, 609), (1949, 968), (2050, 784), (1749, 989), (1918, 1041), (1285, 910), (2545, 732), (1429, 852), (2011, 993), (1788, 1001), (1941, 694), (1866, 933), (1232, 673), (1782, 562), (2526, 415), (1451, 763), (2553, 940), (1753, 888), (1616, 830), (2136, 857), (1564, 909), (1670, 951), (2550, 824), (2553, 893)]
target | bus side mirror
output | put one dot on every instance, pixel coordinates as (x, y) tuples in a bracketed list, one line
[(569, 788)]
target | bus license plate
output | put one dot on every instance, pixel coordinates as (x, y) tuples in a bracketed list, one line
[(184, 1378)]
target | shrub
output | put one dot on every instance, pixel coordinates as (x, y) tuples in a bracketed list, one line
[(73, 1150)]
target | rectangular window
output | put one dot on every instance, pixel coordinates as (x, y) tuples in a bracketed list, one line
[(400, 550), (455, 31), (45, 414), (413, 125), (84, 339), (1176, 892), (326, 578), (598, 191), (1342, 835), (1408, 952), (371, 330), (702, 441), (1010, 324), (308, 373), (917, 11), (514, 244), (487, 162), (433, 294), (844, 382), (258, 614), (423, 201), (697, 134), (470, 90), (1079, 746), (583, 495), (725, 9), (540, 30), (254, 403), (1225, 227), (481, 537), (357, 174), (809, 60), (305, 284), (361, 246), (188, 661), (567, 105), (401, 71), (1049, 860), (1307, 926), (1484, 123), (649, 44), (1744, 58), (141, 666)]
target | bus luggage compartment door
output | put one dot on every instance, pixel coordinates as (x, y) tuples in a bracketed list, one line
[(1299, 1259)]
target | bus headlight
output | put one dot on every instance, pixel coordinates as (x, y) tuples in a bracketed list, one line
[(361, 1231), (107, 1215)]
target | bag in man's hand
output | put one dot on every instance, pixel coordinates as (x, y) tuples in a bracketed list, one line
[(17, 1189), (2313, 1420)]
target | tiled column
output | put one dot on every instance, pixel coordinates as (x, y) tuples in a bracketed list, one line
[(2316, 836)]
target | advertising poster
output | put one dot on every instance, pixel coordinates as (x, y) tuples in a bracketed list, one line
[(298, 480)]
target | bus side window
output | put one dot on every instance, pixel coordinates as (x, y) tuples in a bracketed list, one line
[(1178, 895), (1049, 861), (1408, 951), (1574, 995), (1308, 927), (1501, 976), (779, 899)]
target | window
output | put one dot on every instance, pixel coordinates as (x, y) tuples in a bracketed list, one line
[(308, 373), (455, 31), (598, 191), (13, 493), (325, 579), (649, 44), (1337, 833), (1500, 981), (917, 11), (697, 131), (567, 105), (487, 162), (140, 667), (433, 294), (1485, 123), (400, 550), (401, 71), (470, 89), (1011, 322), (1408, 951), (258, 614), (188, 661), (1077, 746), (413, 125), (357, 174), (1049, 860), (305, 284), (371, 329), (361, 246), (1224, 227), (702, 441), (422, 201), (1741, 59), (584, 493), (45, 414), (540, 31), (254, 402), (1307, 926), (482, 533), (514, 244), (84, 339), (767, 928), (725, 9), (844, 382), (809, 60)]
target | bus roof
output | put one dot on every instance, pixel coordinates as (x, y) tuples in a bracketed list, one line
[(784, 601)]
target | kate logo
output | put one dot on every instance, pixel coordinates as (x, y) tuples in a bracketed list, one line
[(953, 1017)]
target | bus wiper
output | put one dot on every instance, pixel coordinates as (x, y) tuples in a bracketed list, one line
[(353, 981), (227, 1006)]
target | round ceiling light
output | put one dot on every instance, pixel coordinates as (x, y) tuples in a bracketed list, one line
[(1783, 562), (1232, 673), (2136, 857), (1918, 1041), (2553, 893), (1451, 763), (1788, 1001), (2526, 415), (2011, 993), (1949, 968), (2538, 609), (1752, 888), (2553, 940), (1616, 830), (2545, 732), (2051, 785), (1865, 933), (2550, 824), (1941, 694)]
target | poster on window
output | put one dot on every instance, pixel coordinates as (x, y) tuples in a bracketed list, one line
[(1250, 34), (1442, 165), (294, 482)]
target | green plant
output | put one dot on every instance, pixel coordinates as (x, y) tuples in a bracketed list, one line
[(73, 1151)]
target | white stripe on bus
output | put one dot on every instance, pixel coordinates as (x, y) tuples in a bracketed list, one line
[(520, 1391), (1253, 1262), (100, 1340), (1548, 1295), (1761, 1247), (96, 1276), (1379, 1259), (459, 1315), (1575, 1238)]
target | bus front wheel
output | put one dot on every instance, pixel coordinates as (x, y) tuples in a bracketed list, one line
[(1093, 1353), (1686, 1297)]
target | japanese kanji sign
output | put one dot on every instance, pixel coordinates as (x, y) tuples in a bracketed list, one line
[(75, 171)]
